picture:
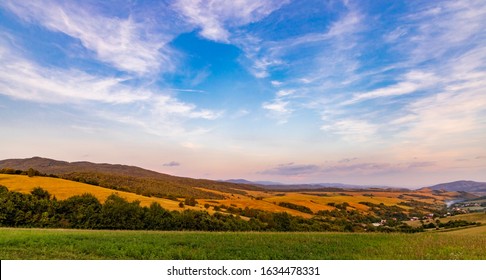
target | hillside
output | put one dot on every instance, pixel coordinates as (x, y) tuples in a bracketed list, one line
[(303, 204), (127, 178), (463, 186), (229, 197), (223, 205), (64, 189)]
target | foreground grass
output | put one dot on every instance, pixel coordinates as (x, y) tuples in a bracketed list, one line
[(84, 244)]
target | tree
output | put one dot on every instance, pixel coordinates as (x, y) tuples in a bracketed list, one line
[(191, 201), (81, 211), (157, 218), (118, 213), (282, 221), (32, 172), (40, 193)]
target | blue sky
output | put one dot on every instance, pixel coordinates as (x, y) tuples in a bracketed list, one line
[(361, 92)]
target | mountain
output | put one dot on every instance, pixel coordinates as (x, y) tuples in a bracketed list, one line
[(281, 186), (260, 183), (128, 178), (240, 181), (462, 186)]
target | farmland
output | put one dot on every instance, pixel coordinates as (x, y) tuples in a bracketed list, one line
[(83, 244), (347, 210), (254, 199), (63, 189)]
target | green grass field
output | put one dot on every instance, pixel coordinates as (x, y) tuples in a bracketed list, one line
[(85, 244)]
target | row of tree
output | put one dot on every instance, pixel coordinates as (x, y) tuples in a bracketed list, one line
[(40, 209)]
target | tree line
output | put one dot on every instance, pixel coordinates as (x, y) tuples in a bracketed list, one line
[(40, 209)]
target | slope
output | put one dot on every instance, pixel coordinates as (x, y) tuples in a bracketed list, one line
[(127, 178), (463, 185), (63, 189)]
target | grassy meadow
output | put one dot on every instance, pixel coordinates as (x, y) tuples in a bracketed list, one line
[(119, 245)]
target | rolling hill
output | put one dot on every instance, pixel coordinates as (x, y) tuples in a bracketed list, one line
[(128, 178), (63, 189), (329, 208), (234, 196), (462, 186)]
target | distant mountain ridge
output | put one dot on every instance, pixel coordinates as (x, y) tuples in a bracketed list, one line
[(244, 181), (462, 185), (127, 178), (147, 182), (282, 186)]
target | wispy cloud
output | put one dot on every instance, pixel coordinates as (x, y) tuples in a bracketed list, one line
[(327, 63), (188, 90), (123, 43), (214, 18), (140, 106), (345, 168), (352, 130), (171, 164), (429, 90), (291, 169), (22, 79), (346, 160), (410, 82), (278, 109), (438, 28)]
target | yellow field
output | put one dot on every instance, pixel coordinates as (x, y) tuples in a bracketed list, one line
[(269, 200), (64, 189), (262, 200), (316, 203)]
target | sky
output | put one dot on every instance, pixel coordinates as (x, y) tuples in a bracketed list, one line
[(360, 92)]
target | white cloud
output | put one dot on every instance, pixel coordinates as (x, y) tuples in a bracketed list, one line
[(285, 92), (315, 63), (440, 55), (106, 97), (278, 109), (446, 116), (21, 79), (351, 130), (277, 106), (411, 82), (122, 43), (441, 27), (215, 17)]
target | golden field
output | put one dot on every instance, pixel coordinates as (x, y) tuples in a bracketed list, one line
[(263, 200), (316, 201), (63, 189)]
